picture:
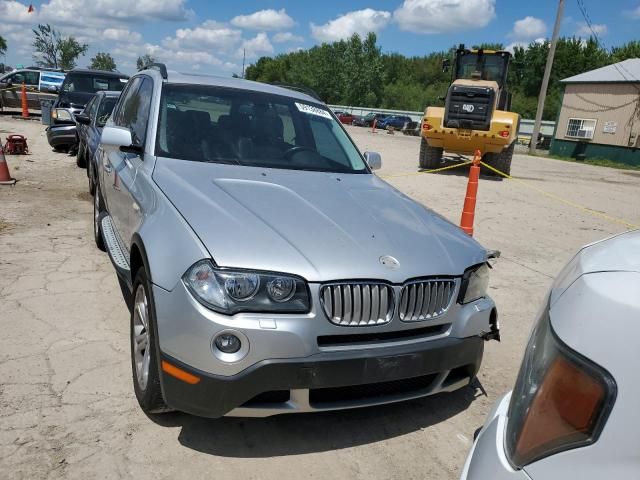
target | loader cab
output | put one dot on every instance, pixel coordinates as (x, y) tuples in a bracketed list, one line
[(482, 65)]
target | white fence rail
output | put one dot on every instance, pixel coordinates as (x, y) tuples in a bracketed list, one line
[(526, 126)]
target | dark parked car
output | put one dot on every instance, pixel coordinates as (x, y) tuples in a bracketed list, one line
[(395, 121), (78, 88), (89, 124), (367, 120)]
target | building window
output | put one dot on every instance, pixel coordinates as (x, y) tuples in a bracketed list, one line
[(580, 128)]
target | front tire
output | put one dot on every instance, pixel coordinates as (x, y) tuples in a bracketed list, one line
[(500, 161), (430, 157), (144, 361), (98, 208)]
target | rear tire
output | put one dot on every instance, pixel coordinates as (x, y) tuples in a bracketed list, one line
[(500, 161), (430, 157), (144, 352), (98, 208), (92, 180), (81, 159)]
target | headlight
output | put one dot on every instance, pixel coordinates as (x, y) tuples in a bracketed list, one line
[(561, 400), (62, 114), (474, 283), (231, 291)]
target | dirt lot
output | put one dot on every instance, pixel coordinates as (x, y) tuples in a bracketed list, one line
[(67, 406)]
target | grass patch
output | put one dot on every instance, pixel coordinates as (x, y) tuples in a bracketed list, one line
[(598, 162)]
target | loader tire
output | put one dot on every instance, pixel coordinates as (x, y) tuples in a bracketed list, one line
[(500, 161), (430, 157)]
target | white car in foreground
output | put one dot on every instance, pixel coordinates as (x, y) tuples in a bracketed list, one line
[(573, 412)]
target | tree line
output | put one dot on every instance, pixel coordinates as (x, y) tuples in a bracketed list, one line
[(54, 50), (356, 72)]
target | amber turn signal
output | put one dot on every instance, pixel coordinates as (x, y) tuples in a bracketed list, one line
[(565, 410), (179, 373)]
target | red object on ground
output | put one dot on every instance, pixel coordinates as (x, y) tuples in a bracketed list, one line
[(469, 208), (25, 107), (16, 145), (5, 176), (373, 125)]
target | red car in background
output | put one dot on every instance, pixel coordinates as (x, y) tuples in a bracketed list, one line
[(346, 118)]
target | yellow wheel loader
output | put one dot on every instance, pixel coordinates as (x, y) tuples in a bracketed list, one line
[(476, 114)]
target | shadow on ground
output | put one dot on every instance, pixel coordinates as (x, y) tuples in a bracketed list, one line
[(296, 434)]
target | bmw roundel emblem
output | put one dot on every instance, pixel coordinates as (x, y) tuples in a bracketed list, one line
[(389, 262)]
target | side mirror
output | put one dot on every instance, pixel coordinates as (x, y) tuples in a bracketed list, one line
[(374, 160), (83, 119), (53, 89), (119, 137)]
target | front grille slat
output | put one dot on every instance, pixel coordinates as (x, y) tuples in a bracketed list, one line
[(358, 304), (425, 299)]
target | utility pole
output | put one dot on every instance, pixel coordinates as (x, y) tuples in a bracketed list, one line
[(545, 78), (244, 56)]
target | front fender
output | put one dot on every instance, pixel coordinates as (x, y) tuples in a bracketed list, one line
[(167, 244)]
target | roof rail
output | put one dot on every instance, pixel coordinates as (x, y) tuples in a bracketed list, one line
[(299, 88), (160, 66)]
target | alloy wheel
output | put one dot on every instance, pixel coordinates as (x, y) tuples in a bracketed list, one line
[(141, 338)]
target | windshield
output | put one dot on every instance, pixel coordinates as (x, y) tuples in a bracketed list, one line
[(224, 125), (491, 66), (104, 110), (92, 83)]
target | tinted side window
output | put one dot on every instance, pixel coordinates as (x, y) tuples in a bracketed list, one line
[(125, 98), (90, 109), (133, 110)]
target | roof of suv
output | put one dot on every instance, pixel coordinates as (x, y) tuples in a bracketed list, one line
[(104, 73), (239, 83)]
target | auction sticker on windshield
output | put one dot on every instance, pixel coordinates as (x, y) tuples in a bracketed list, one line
[(311, 110)]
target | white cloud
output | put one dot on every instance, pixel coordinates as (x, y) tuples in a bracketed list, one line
[(360, 21), (285, 37), (528, 28), (258, 45), (72, 11), (512, 46), (441, 16), (121, 35), (598, 28), (210, 34), (636, 13), (264, 20)]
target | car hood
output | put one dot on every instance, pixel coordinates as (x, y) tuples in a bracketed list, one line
[(620, 253), (321, 226)]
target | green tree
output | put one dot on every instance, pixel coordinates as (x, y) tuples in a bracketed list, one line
[(3, 45), (144, 60), (55, 51), (626, 51), (103, 61)]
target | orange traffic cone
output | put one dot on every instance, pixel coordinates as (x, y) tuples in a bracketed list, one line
[(5, 176), (469, 209), (25, 107)]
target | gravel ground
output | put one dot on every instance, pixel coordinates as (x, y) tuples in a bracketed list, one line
[(67, 406)]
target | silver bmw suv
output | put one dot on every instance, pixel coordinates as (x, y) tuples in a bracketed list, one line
[(266, 268)]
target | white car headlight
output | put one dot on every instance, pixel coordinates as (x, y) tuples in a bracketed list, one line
[(475, 283), (232, 291), (62, 114)]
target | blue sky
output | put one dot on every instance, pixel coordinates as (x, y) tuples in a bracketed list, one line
[(210, 35)]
